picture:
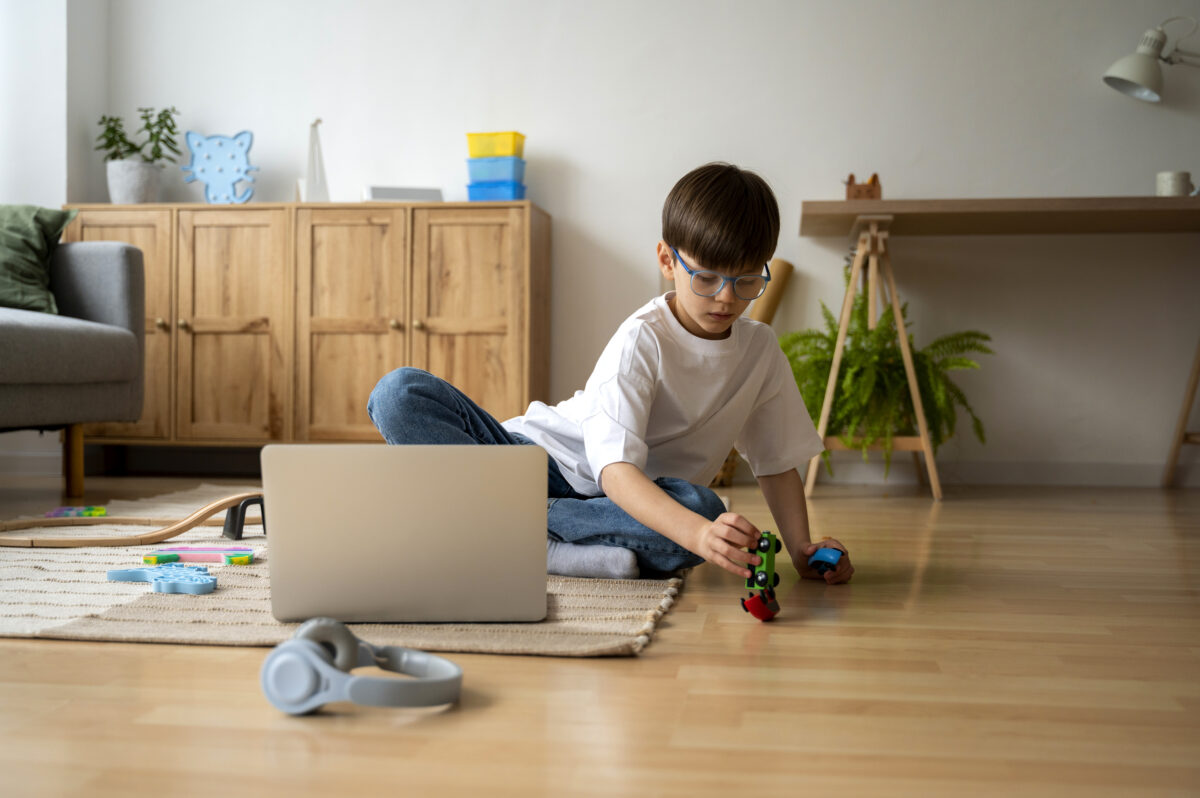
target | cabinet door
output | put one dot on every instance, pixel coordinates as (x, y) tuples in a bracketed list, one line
[(149, 231), (351, 315), (233, 326), (468, 311)]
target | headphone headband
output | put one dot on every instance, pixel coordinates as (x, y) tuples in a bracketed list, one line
[(312, 669), (436, 680)]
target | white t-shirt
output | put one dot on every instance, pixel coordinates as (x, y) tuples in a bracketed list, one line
[(673, 404)]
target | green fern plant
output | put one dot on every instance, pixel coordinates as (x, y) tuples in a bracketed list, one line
[(160, 130), (871, 400)]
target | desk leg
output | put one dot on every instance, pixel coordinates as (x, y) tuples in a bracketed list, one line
[(827, 406), (918, 408), (1189, 397), (872, 279)]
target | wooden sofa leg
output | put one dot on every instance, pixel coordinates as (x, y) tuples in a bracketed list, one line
[(73, 460)]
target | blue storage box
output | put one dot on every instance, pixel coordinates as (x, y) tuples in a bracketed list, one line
[(500, 190), (493, 170)]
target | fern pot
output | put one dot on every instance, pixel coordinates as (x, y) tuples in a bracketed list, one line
[(133, 181)]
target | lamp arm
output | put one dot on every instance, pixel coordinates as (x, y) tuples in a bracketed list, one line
[(1177, 55), (1193, 20), (1186, 57)]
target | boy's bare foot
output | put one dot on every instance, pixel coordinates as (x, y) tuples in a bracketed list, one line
[(600, 562)]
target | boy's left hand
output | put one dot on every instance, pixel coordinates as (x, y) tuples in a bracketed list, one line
[(841, 573)]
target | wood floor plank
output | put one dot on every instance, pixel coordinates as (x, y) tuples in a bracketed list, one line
[(1009, 640)]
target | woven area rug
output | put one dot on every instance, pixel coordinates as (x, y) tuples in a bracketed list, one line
[(64, 593)]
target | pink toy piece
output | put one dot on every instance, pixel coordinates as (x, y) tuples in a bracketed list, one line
[(229, 555)]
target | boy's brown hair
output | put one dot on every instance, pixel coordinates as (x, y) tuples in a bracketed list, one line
[(724, 217)]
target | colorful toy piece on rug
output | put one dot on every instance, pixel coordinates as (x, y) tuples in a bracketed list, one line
[(76, 512), (169, 578), (227, 555)]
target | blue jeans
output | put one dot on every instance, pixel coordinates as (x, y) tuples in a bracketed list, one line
[(410, 406)]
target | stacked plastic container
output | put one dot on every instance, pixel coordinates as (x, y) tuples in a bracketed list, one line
[(496, 166)]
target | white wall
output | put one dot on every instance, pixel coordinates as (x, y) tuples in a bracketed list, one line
[(943, 98), (33, 96), (87, 98), (33, 150)]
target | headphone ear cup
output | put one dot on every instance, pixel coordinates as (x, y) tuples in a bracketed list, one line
[(334, 637), (289, 677)]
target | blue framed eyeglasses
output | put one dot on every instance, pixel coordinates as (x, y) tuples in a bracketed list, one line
[(745, 286)]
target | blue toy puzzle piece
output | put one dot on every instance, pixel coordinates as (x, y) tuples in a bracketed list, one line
[(825, 559), (220, 162), (169, 578)]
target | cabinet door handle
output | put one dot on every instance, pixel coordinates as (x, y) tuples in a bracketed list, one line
[(184, 324), (161, 323), (395, 324), (418, 325)]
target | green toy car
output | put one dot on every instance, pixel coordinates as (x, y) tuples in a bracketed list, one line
[(764, 575)]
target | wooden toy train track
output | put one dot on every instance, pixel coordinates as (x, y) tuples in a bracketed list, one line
[(169, 527)]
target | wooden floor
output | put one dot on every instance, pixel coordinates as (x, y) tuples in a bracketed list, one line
[(1008, 641)]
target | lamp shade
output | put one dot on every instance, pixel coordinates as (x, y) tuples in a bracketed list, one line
[(1139, 74)]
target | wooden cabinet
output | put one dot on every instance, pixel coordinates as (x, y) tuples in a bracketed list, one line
[(233, 317), (351, 316), (469, 303), (274, 322)]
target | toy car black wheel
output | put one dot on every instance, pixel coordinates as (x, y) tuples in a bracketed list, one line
[(775, 583), (744, 607), (760, 579), (778, 545), (764, 545)]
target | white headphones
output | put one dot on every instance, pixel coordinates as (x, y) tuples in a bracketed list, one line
[(312, 669)]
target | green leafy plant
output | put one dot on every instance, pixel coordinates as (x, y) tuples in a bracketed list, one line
[(871, 400), (160, 130)]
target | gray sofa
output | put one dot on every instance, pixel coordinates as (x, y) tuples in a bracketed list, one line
[(85, 364)]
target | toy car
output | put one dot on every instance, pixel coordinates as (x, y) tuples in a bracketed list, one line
[(764, 575), (762, 606), (764, 580), (825, 559)]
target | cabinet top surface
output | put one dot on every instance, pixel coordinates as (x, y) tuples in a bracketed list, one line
[(252, 206)]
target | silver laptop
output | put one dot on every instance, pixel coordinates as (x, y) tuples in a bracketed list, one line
[(367, 532)]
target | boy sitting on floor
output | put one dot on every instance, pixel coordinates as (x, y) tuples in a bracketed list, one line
[(682, 380)]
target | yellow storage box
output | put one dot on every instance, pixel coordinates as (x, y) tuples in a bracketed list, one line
[(496, 145)]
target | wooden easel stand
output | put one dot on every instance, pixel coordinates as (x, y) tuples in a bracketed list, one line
[(872, 254), (1182, 435)]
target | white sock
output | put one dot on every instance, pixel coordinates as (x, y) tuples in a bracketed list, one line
[(600, 562)]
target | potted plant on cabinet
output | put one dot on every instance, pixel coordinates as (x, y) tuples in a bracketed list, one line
[(134, 169), (871, 400)]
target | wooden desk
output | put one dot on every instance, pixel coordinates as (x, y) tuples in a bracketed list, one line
[(964, 217), (872, 221)]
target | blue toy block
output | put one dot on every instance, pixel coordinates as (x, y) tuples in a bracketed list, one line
[(169, 578)]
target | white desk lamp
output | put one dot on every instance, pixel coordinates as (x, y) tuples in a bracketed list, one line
[(1139, 74)]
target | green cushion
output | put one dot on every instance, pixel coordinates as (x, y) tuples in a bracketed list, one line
[(28, 237)]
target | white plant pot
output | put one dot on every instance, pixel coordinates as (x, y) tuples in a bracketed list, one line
[(133, 181)]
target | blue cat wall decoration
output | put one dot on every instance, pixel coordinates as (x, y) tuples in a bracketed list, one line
[(220, 162)]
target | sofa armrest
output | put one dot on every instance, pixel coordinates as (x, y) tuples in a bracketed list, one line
[(101, 281)]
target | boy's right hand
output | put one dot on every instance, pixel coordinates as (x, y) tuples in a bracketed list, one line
[(722, 542)]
